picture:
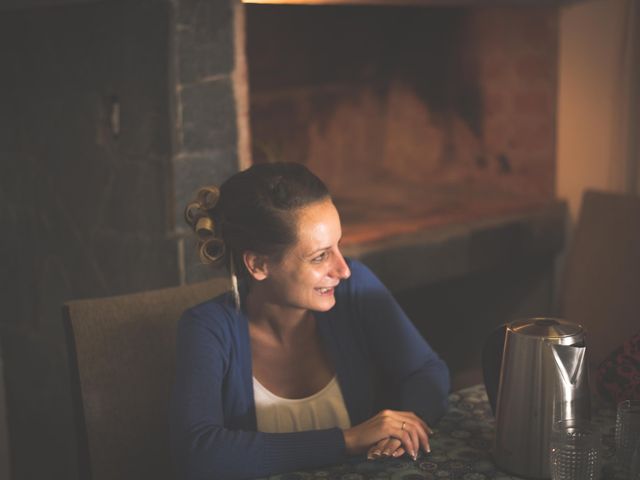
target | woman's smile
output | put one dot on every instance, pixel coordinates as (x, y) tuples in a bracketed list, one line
[(326, 291)]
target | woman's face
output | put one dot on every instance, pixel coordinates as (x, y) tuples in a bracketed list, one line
[(308, 272)]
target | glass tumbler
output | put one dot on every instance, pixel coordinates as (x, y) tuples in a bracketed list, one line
[(627, 431), (575, 450)]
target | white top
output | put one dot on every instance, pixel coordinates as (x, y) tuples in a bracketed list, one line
[(323, 409)]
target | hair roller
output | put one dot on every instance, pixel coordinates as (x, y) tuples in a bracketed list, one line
[(204, 228), (192, 212), (208, 197), (212, 250)]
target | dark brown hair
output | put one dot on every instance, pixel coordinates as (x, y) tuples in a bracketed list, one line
[(252, 210)]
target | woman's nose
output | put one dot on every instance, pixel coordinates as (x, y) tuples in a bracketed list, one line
[(341, 269)]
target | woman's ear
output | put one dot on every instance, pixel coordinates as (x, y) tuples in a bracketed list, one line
[(256, 265)]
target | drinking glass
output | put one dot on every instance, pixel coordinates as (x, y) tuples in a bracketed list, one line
[(575, 450), (627, 432)]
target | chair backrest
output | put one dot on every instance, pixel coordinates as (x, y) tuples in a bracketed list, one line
[(122, 352), (601, 286)]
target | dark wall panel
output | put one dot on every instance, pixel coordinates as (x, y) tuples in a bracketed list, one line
[(83, 194)]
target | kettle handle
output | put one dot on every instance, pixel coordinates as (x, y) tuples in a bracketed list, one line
[(492, 352)]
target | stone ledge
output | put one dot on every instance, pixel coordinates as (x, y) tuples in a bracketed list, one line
[(450, 251)]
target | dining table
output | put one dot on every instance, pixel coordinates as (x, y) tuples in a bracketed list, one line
[(460, 448)]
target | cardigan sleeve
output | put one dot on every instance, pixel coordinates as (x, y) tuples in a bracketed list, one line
[(203, 447), (416, 379)]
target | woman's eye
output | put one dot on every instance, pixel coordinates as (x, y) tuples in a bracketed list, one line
[(319, 258)]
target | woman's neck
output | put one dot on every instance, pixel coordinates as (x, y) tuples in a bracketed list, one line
[(279, 322)]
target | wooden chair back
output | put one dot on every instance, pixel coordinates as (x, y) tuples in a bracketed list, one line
[(601, 287)]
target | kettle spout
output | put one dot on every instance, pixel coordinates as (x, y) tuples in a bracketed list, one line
[(570, 360)]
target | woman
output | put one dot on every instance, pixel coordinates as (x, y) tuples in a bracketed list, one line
[(311, 360)]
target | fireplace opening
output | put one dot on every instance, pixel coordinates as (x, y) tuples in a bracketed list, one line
[(414, 116)]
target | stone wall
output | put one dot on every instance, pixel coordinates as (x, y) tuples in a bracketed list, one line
[(211, 125)]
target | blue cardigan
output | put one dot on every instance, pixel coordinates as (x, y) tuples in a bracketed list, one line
[(381, 361)]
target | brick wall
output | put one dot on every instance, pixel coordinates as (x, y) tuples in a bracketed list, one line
[(443, 105)]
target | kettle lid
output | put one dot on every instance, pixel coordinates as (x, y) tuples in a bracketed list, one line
[(548, 328)]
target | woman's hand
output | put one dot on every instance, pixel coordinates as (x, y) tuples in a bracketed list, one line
[(387, 447), (407, 427)]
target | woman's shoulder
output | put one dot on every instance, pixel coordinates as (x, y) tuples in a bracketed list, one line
[(356, 266), (360, 273), (361, 284)]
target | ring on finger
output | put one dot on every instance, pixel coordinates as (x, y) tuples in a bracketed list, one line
[(402, 427)]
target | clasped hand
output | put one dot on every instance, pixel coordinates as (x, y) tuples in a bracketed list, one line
[(389, 433)]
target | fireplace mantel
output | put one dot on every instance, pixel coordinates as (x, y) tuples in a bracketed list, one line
[(455, 250)]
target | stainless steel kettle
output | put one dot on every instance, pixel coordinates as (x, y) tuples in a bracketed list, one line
[(543, 378)]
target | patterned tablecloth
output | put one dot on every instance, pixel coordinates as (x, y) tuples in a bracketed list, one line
[(460, 448)]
